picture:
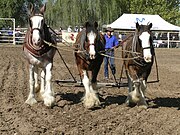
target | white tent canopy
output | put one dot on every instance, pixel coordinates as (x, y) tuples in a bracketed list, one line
[(128, 22)]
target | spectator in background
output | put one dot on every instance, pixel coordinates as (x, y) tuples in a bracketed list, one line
[(10, 32), (76, 29), (69, 29), (60, 29), (81, 27)]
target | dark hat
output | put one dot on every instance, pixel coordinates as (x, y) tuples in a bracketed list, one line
[(109, 29)]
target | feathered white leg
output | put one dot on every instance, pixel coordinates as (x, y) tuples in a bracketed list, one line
[(42, 89), (90, 98), (143, 103), (48, 95), (31, 98), (36, 79)]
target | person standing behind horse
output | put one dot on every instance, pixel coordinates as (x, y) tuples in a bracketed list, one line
[(111, 43)]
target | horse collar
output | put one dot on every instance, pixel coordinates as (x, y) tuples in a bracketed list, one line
[(37, 51)]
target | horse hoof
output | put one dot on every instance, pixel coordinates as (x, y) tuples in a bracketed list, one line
[(31, 101), (49, 101), (130, 104), (143, 106), (91, 103)]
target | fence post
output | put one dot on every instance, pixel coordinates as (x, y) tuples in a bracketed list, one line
[(14, 38)]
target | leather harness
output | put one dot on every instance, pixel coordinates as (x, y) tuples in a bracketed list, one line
[(37, 51)]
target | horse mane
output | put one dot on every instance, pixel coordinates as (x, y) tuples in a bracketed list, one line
[(47, 35), (77, 44)]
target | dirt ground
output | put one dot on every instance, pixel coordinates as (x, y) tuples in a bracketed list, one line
[(69, 117)]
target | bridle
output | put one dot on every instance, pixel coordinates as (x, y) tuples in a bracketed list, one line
[(85, 46), (138, 59), (41, 31)]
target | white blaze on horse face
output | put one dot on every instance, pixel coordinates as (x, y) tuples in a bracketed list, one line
[(91, 36), (144, 37), (36, 26)]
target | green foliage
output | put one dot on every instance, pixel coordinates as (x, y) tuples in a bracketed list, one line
[(167, 9), (62, 13), (15, 9)]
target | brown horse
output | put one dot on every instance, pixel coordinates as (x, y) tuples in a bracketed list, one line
[(88, 43), (39, 55), (139, 49)]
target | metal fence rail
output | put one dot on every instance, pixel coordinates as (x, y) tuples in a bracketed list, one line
[(6, 36)]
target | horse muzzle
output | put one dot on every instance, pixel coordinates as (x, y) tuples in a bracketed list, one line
[(92, 52), (147, 54), (92, 56)]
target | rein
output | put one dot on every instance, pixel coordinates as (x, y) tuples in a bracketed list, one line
[(77, 50)]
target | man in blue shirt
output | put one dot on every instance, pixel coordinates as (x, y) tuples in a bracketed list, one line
[(111, 43)]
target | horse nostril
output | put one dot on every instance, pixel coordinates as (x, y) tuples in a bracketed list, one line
[(92, 56), (147, 59), (39, 40)]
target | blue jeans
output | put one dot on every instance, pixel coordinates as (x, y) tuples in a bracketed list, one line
[(109, 61)]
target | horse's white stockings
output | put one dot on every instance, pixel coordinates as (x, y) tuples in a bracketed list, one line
[(46, 86), (90, 98), (31, 98), (137, 94), (48, 94)]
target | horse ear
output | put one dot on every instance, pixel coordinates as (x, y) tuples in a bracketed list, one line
[(31, 8), (87, 24), (137, 25), (95, 24), (43, 9), (150, 25)]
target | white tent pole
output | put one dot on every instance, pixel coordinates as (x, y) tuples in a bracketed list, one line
[(168, 39)]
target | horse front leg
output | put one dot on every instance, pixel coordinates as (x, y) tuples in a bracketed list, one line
[(90, 98), (130, 83), (143, 87), (31, 97), (37, 88), (137, 95), (129, 101), (48, 94), (42, 89)]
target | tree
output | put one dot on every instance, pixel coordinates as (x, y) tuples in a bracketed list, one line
[(16, 9), (167, 9), (62, 13)]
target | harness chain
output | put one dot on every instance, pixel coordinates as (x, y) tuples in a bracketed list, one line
[(78, 51), (100, 52)]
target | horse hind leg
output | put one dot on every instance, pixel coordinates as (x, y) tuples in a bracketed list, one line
[(48, 94), (90, 98), (31, 97), (142, 103), (129, 101)]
